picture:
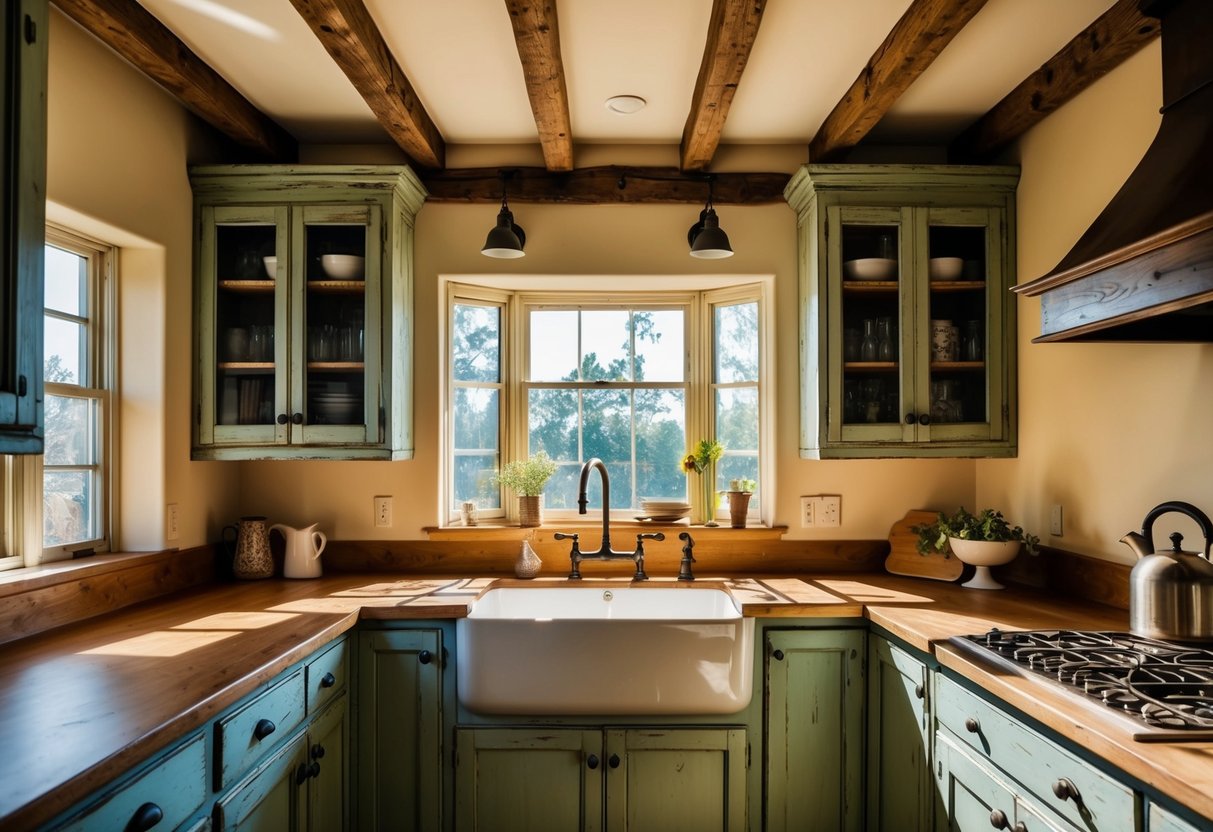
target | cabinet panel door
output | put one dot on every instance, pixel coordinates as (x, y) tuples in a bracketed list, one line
[(527, 779), (899, 776), (272, 799), (329, 788), (400, 760), (242, 321), (814, 730), (970, 793), (693, 780)]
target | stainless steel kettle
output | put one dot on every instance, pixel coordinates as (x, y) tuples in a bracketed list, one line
[(1171, 591)]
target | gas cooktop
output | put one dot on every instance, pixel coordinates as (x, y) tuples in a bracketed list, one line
[(1165, 688)]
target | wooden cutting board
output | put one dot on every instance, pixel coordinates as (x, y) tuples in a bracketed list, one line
[(904, 558)]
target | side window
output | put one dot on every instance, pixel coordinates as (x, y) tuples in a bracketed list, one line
[(476, 391), (75, 494)]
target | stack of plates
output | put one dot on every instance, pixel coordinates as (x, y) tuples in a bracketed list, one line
[(664, 509), (337, 408)]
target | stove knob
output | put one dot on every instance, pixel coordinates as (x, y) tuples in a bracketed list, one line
[(972, 725), (998, 819), (1065, 790)]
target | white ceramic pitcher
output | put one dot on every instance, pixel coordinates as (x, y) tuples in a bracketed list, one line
[(303, 548)]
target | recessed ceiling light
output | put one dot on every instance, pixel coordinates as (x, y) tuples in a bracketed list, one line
[(625, 104)]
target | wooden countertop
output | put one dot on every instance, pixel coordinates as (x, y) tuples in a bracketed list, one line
[(81, 704)]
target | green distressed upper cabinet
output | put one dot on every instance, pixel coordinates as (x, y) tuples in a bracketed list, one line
[(900, 787), (24, 26), (304, 303), (813, 724), (907, 325)]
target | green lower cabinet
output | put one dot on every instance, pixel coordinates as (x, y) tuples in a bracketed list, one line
[(633, 779), (523, 779), (900, 787), (302, 787), (1163, 821), (400, 760), (813, 722), (974, 797)]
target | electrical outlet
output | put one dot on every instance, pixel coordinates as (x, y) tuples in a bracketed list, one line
[(171, 532), (1055, 526), (827, 512), (806, 512), (383, 511)]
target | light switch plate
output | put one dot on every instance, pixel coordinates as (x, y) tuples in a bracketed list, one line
[(171, 519), (383, 511), (806, 512), (828, 511), (1055, 524)]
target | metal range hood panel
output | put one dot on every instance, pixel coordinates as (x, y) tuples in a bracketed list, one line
[(1143, 271)]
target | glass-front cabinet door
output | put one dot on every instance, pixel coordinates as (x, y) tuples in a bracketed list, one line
[(243, 294), (907, 344)]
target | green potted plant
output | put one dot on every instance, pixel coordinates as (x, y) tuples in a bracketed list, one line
[(982, 540), (739, 494), (527, 478)]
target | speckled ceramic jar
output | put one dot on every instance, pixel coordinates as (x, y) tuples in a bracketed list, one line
[(252, 558)]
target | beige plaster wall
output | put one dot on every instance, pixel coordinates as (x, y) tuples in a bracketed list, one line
[(578, 240), (1106, 430), (117, 150)]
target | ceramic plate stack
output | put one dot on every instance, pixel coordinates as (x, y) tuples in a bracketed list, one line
[(664, 509), (337, 408)]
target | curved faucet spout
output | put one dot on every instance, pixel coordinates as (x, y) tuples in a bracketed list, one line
[(583, 501)]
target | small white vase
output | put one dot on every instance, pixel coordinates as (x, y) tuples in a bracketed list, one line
[(983, 554)]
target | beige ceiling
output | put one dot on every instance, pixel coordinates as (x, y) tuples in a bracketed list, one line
[(461, 58)]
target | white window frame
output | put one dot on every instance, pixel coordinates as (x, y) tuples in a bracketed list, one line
[(23, 476), (699, 381)]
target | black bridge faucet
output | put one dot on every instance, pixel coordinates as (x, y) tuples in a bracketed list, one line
[(604, 552)]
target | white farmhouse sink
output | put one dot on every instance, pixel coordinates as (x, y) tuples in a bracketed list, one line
[(586, 650)]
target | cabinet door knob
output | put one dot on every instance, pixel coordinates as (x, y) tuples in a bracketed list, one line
[(911, 418), (425, 657), (317, 751), (145, 817), (297, 419), (305, 771), (283, 418), (1020, 827), (920, 691), (613, 762), (924, 419), (777, 655), (1066, 790), (972, 725), (592, 761), (264, 728), (328, 680), (998, 819)]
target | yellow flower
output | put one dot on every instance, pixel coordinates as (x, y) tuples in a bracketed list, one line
[(689, 464)]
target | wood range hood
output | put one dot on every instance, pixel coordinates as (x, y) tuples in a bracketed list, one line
[(1143, 271)]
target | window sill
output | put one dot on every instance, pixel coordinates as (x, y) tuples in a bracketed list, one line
[(621, 529)]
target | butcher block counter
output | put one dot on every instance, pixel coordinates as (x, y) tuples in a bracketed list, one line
[(81, 704)]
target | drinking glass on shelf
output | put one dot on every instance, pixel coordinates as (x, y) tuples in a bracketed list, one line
[(972, 343), (884, 339), (869, 347)]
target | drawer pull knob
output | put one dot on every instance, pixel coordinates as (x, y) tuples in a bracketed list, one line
[(328, 680), (972, 725), (777, 655), (1065, 790), (145, 817), (1020, 827), (425, 657), (998, 819), (264, 728), (592, 761), (613, 762), (920, 691), (317, 751)]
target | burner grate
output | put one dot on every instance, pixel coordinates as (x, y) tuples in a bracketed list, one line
[(1168, 687)]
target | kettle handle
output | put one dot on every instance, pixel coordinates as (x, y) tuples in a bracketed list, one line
[(1202, 519)]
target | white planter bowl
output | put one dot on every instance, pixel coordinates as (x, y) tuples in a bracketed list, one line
[(983, 554), (945, 268)]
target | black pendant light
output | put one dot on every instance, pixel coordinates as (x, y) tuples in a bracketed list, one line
[(707, 239), (506, 239)]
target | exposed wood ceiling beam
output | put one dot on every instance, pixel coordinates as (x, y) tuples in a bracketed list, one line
[(150, 47), (348, 32), (731, 32), (917, 39), (1095, 51), (537, 35), (603, 185)]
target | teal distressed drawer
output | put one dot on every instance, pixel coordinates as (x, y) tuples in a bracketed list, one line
[(244, 736), (171, 789), (326, 675), (1084, 796), (1163, 821)]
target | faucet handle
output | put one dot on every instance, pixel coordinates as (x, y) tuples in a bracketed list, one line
[(650, 536), (563, 536)]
